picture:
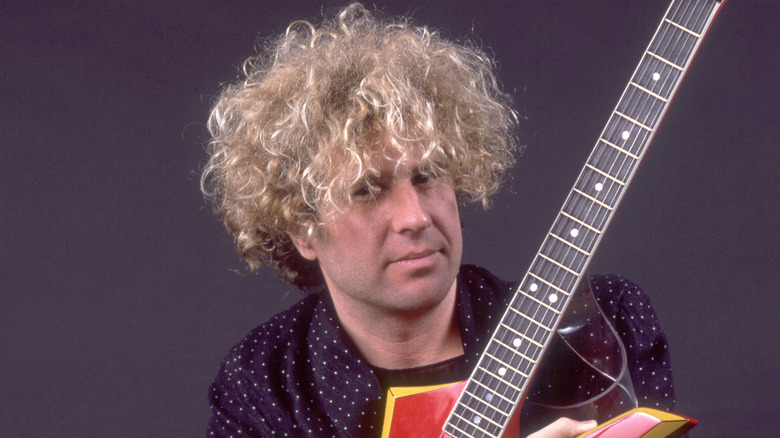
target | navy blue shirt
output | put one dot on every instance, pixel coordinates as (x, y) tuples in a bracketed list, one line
[(300, 375)]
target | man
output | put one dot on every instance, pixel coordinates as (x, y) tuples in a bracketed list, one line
[(340, 160)]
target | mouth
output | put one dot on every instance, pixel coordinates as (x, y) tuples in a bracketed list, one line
[(417, 258)]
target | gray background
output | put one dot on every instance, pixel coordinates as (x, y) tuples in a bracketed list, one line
[(119, 291)]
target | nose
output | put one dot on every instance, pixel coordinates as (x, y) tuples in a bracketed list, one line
[(409, 209)]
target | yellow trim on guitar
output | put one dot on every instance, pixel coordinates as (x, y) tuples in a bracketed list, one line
[(398, 392), (670, 423)]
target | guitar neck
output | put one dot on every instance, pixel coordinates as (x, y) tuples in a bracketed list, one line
[(501, 377)]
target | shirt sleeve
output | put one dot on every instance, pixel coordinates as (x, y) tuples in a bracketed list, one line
[(232, 415), (646, 345)]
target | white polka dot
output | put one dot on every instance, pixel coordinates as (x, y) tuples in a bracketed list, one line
[(477, 419), (599, 187), (553, 298), (656, 76), (625, 135), (574, 232), (517, 342), (534, 287), (488, 397), (501, 371)]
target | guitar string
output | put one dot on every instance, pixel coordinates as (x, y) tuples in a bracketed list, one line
[(686, 23)]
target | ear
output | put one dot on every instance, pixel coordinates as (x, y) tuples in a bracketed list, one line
[(303, 243)]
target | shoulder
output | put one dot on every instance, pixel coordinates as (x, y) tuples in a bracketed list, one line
[(281, 331), (620, 297), (250, 385), (629, 309)]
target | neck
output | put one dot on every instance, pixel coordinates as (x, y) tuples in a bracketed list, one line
[(397, 340)]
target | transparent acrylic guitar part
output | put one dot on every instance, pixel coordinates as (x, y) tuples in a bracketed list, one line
[(584, 374)]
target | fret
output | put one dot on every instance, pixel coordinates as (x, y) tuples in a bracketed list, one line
[(661, 98), (626, 134), (490, 396), (664, 60), (634, 121), (692, 15), (657, 76), (532, 308), (642, 107), (573, 246), (619, 149), (605, 174), (513, 337), (583, 237), (577, 219), (503, 373), (482, 421), (673, 44), (500, 352), (683, 28), (486, 410), (541, 306), (519, 336), (455, 426), (512, 362), (499, 385), (613, 160), (596, 186), (592, 199), (563, 254), (467, 425), (547, 283), (554, 274), (586, 213), (526, 326), (512, 320), (560, 265)]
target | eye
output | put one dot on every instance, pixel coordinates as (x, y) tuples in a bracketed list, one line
[(366, 190), (362, 192), (424, 178)]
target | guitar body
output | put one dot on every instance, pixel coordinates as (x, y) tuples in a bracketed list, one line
[(422, 412)]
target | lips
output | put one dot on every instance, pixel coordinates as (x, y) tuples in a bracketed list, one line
[(416, 257)]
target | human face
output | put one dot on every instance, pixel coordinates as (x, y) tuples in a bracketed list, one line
[(395, 251)]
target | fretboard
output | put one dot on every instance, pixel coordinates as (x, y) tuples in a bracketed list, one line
[(501, 377)]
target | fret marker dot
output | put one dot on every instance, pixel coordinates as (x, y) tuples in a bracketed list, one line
[(574, 232), (599, 187), (625, 135), (501, 371), (656, 76), (534, 287), (488, 397), (477, 419), (516, 342), (553, 298)]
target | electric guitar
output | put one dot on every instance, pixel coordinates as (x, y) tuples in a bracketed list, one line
[(487, 403)]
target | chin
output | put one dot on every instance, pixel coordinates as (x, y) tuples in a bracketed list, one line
[(421, 297)]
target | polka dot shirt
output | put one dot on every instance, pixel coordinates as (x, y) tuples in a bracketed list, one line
[(299, 375)]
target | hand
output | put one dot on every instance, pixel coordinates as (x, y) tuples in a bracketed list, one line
[(564, 428)]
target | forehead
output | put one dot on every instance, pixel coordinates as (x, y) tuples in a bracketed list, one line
[(385, 167)]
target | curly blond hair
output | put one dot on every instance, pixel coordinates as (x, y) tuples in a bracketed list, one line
[(300, 132)]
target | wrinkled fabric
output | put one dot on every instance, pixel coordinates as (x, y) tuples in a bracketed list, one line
[(299, 375)]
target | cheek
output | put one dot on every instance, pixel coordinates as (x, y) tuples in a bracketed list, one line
[(449, 215)]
